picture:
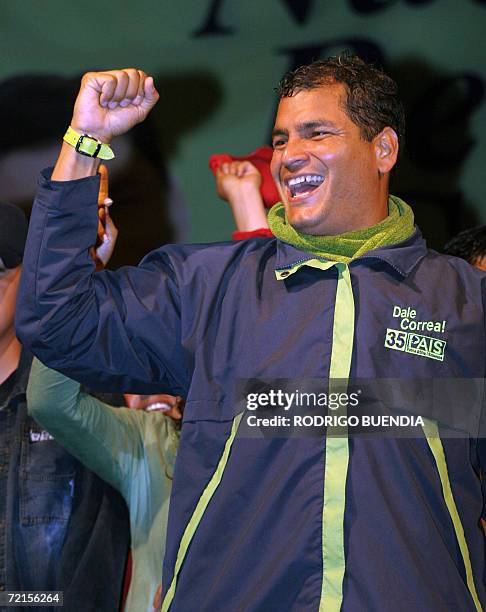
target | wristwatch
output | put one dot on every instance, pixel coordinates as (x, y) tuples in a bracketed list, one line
[(87, 145)]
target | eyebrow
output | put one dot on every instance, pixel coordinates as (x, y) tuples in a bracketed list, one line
[(305, 126)]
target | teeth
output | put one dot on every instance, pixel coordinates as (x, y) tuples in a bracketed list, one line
[(158, 406), (307, 178)]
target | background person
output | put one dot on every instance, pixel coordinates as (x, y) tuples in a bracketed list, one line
[(469, 245), (246, 183), (61, 527), (132, 449)]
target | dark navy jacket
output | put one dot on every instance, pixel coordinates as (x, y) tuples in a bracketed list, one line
[(246, 517), (61, 527)]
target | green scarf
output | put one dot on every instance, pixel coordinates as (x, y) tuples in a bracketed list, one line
[(398, 226)]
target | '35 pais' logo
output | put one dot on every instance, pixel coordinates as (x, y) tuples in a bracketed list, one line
[(416, 344)]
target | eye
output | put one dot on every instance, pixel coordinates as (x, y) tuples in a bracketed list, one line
[(278, 143), (319, 134)]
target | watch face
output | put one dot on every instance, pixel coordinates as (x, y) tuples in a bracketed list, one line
[(88, 145)]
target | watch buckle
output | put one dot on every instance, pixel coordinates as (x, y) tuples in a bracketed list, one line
[(80, 142)]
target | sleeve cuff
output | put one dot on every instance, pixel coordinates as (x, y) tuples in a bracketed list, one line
[(263, 232), (68, 195)]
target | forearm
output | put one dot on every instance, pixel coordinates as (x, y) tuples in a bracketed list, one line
[(57, 266), (72, 165), (248, 209), (101, 437)]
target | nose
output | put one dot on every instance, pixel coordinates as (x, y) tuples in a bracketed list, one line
[(294, 155)]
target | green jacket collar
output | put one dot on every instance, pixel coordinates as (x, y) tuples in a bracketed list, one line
[(401, 257)]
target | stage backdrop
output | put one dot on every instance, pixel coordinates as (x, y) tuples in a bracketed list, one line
[(217, 61)]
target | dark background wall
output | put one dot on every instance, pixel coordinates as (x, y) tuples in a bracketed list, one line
[(216, 63)]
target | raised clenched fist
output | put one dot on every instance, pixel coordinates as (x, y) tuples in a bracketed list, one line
[(110, 103), (233, 177)]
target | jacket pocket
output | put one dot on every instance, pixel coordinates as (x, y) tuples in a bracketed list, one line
[(216, 410), (46, 478)]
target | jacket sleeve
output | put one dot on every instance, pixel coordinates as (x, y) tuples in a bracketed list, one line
[(100, 436), (481, 441), (481, 451), (109, 441), (110, 330)]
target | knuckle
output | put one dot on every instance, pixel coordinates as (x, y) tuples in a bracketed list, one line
[(132, 74), (86, 77)]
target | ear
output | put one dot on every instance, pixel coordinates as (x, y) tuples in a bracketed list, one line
[(479, 262), (386, 149)]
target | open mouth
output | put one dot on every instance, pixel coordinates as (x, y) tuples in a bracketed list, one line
[(158, 406), (303, 185)]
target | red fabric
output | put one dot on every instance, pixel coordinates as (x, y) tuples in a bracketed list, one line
[(260, 158), (262, 232)]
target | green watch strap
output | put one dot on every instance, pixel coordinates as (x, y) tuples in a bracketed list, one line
[(87, 145)]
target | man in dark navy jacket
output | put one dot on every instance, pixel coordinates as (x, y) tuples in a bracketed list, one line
[(346, 290)]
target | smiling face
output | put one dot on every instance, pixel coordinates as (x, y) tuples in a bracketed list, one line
[(330, 179)]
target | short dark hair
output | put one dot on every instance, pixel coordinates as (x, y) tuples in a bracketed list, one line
[(372, 101), (469, 244)]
